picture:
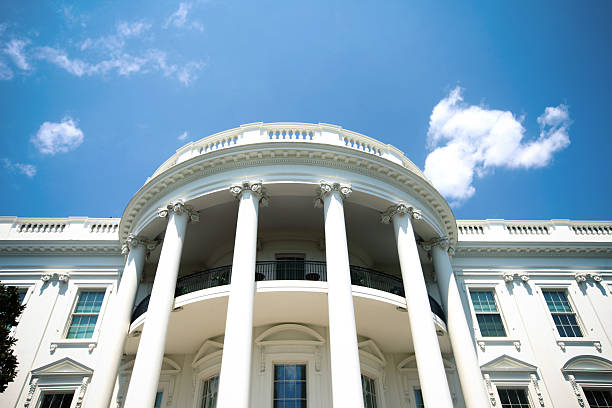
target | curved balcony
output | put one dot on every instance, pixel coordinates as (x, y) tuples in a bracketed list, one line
[(288, 270)]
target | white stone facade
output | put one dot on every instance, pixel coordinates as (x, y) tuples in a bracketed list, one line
[(315, 248)]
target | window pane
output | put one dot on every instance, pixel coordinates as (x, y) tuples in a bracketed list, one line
[(368, 387), (557, 302), (82, 327), (209, 393), (85, 315), (418, 398), (158, 399), (599, 398), (483, 301), (290, 385), (513, 397), (491, 325), (89, 302), (57, 400)]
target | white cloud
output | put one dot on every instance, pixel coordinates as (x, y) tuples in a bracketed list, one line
[(61, 59), (116, 42), (468, 140), (5, 72), (15, 49), (179, 18), (188, 73), (28, 170), (183, 136), (62, 137)]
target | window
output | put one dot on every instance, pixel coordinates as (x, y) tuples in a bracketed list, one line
[(158, 399), (21, 292), (418, 398), (209, 392), (562, 313), (599, 398), (487, 314), (368, 387), (513, 397), (290, 267), (289, 386), (85, 315), (57, 400)]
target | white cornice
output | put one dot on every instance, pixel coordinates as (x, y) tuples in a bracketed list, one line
[(535, 248), (60, 247), (292, 153)]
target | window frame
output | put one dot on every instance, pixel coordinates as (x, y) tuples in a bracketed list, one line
[(78, 289), (515, 386), (566, 289), (296, 362), (584, 388), (57, 391), (496, 297)]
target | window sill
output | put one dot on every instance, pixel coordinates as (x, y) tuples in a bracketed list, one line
[(564, 342), (484, 341), (73, 343)]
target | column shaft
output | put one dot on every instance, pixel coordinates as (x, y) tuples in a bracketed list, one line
[(114, 330), (432, 376), (235, 378), (149, 358), (470, 376), (344, 352)]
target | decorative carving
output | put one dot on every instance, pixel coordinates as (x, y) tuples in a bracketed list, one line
[(52, 347), (536, 387), (482, 345), (91, 347), (487, 378), (132, 241), (522, 276), (46, 277), (326, 188), (400, 209), (596, 277), (82, 389), (441, 242), (318, 360), (63, 277), (517, 345), (31, 392), (580, 277), (597, 345), (508, 277), (576, 389), (262, 363), (561, 345), (179, 208), (254, 186)]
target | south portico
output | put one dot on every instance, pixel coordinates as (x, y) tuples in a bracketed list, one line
[(239, 324)]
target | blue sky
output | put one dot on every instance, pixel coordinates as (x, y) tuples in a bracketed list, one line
[(505, 105)]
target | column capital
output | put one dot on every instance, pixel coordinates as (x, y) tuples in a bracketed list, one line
[(132, 241), (325, 188), (179, 208), (256, 187), (441, 242), (399, 209)]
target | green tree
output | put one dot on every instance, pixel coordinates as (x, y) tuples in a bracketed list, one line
[(10, 309)]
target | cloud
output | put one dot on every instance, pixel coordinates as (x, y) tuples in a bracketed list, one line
[(188, 73), (61, 59), (62, 137), (5, 72), (178, 19), (15, 49), (116, 42), (71, 17), (469, 140), (183, 136), (28, 170)]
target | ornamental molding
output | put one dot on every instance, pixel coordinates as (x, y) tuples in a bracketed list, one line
[(29, 249), (490, 391), (443, 243), (31, 392), (132, 242), (533, 248), (62, 277), (255, 187), (333, 157), (536, 387), (400, 209), (582, 277), (509, 277), (178, 207), (576, 389), (326, 188)]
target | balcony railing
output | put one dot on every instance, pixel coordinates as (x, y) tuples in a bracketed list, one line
[(288, 270)]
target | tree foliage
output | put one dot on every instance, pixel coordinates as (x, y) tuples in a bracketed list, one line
[(10, 309)]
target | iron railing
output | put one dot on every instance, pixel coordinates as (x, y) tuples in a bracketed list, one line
[(288, 270)]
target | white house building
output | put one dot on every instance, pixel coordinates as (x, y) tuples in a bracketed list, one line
[(299, 265)]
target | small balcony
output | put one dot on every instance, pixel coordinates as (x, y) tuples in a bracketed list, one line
[(288, 270)]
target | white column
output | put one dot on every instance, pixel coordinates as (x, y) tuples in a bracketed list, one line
[(116, 325), (432, 376), (149, 358), (470, 376), (344, 351), (235, 377)]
